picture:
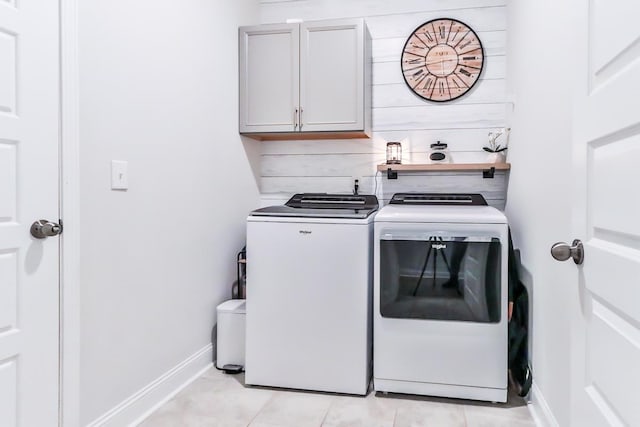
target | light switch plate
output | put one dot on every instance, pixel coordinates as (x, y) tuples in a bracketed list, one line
[(119, 175)]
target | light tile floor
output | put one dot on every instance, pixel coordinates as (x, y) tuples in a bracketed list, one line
[(219, 400)]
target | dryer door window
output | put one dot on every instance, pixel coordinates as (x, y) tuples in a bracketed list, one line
[(441, 278)]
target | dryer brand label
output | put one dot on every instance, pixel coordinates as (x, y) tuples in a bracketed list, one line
[(439, 246), (304, 232)]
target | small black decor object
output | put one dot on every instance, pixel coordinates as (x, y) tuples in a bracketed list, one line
[(439, 153), (394, 153)]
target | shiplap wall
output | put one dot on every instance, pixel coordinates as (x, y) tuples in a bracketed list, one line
[(398, 115)]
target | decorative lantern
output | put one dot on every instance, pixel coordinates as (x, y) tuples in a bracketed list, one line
[(394, 153)]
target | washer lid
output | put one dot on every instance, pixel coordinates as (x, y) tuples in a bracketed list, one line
[(441, 214), (322, 205)]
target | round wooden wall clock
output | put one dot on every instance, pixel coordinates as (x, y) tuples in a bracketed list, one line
[(442, 60)]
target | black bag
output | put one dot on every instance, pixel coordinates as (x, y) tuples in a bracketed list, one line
[(518, 326)]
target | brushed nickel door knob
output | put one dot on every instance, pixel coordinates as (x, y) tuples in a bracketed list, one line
[(43, 228), (561, 251)]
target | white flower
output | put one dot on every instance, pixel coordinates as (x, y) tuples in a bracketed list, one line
[(494, 147)]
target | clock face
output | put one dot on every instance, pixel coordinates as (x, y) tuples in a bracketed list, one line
[(442, 60)]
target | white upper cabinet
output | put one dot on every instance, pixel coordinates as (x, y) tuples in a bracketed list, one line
[(308, 80), (331, 76), (269, 78)]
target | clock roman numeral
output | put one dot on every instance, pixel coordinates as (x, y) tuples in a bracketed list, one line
[(465, 44), (456, 84), (428, 85), (471, 59), (408, 52), (408, 70), (450, 31), (424, 46), (419, 80), (468, 45), (455, 32), (463, 37)]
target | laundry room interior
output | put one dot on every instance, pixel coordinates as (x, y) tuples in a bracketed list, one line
[(295, 213)]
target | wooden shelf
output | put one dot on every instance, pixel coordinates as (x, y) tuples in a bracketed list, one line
[(288, 136), (445, 167), (487, 169)]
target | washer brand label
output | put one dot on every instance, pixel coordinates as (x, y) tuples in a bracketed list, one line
[(439, 246), (304, 232)]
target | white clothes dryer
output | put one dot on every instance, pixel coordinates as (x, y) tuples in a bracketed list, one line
[(440, 297)]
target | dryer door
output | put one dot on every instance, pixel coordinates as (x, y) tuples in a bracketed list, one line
[(440, 277)]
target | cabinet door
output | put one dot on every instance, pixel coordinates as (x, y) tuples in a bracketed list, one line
[(269, 78), (332, 75)]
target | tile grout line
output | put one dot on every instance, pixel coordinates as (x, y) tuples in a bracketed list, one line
[(273, 395), (395, 416), (324, 418), (464, 416)]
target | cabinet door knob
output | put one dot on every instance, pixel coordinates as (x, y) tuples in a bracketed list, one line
[(301, 110), (295, 119)]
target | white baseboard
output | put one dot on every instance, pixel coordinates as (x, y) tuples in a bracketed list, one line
[(540, 410), (133, 410)]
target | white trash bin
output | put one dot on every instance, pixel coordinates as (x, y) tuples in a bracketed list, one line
[(231, 335)]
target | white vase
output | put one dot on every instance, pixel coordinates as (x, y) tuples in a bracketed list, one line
[(496, 157)]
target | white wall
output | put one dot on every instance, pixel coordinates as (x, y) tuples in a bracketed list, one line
[(159, 90), (297, 166), (538, 204)]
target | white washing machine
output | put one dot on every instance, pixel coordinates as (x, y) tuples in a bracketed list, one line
[(309, 293), (440, 297)]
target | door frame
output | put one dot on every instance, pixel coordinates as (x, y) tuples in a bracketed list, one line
[(69, 282)]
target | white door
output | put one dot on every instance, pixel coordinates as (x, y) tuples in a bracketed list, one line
[(332, 75), (269, 78), (29, 273), (606, 318)]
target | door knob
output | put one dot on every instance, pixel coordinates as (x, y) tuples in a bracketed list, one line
[(43, 228), (562, 251)]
